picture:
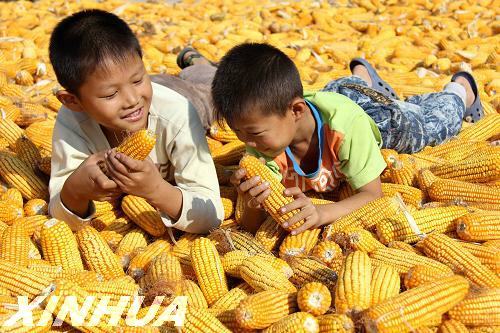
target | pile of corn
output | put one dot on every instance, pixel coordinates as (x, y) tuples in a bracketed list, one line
[(423, 258)]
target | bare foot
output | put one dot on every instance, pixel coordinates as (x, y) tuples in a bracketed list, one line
[(362, 72), (196, 60), (470, 97)]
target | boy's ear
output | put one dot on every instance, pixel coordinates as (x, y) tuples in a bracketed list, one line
[(298, 107), (69, 100)]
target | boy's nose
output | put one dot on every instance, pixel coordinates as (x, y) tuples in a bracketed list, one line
[(131, 98)]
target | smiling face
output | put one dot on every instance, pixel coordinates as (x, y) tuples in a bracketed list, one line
[(268, 134), (117, 95)]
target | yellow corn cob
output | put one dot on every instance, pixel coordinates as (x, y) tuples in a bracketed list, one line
[(213, 144), (15, 244), (479, 226), (102, 207), (311, 270), (403, 171), (488, 256), (259, 274), (22, 281), (230, 300), (229, 240), (143, 214), (231, 261), (479, 308), (82, 277), (102, 221), (450, 252), (9, 212), (364, 217), (403, 246), (41, 134), (481, 169), (37, 317), (228, 207), (14, 196), (193, 292), (208, 268), (385, 283), (31, 113), (314, 298), (10, 131), (484, 329), (484, 129), (4, 144), (59, 245), (493, 243), (18, 175), (222, 132), (452, 326), (352, 293), (362, 240), (329, 253), (263, 309), (139, 264), (115, 233), (228, 224), (138, 145), (296, 322), (335, 323), (228, 319), (414, 308), (229, 154), (44, 165), (439, 219), (13, 91), (113, 289), (35, 207), (300, 244), (270, 234), (52, 102), (410, 195), (402, 261), (96, 254), (446, 190), (200, 320), (165, 266)]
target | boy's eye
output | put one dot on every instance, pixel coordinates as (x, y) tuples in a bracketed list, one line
[(110, 96), (138, 81)]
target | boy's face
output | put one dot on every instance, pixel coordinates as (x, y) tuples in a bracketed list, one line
[(269, 134), (117, 96)]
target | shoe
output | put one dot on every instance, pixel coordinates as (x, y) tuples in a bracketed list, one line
[(183, 63), (377, 82), (474, 112)]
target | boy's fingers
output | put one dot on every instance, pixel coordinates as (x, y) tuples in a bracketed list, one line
[(301, 215), (294, 192), (249, 184), (115, 165), (295, 204), (308, 224), (257, 190), (258, 200), (105, 183), (130, 163)]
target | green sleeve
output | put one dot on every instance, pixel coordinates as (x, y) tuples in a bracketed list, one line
[(360, 157), (270, 163)]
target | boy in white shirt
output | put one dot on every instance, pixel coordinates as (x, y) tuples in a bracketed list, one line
[(107, 96)]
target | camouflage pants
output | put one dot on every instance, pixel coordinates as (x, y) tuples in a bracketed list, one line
[(406, 126)]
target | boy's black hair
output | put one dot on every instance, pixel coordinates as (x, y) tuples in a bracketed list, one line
[(82, 42), (254, 75)]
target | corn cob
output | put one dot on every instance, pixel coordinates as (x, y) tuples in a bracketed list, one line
[(222, 132), (410, 195), (335, 323), (102, 207), (270, 234), (22, 281), (451, 253), (479, 308), (311, 270), (52, 102), (402, 261), (14, 91), (229, 240), (479, 226), (138, 145), (144, 215), (208, 269), (59, 245), (493, 243), (44, 165), (193, 292), (265, 308), (231, 261), (15, 244), (39, 324), (133, 239), (114, 233), (200, 320), (230, 300), (229, 154), (402, 246), (10, 131), (102, 221), (239, 209), (35, 207), (140, 262), (362, 240), (228, 224), (414, 308), (488, 256), (228, 207), (452, 326), (385, 283), (228, 319), (9, 212), (18, 175), (96, 253), (82, 277), (421, 274), (314, 298), (14, 196), (484, 129), (165, 266), (481, 169), (365, 217), (484, 329), (259, 274), (112, 289), (213, 144), (302, 322), (403, 171), (300, 244), (329, 253), (446, 190), (439, 219), (354, 276)]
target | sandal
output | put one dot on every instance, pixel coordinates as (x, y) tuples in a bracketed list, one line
[(183, 63), (377, 83), (474, 112)]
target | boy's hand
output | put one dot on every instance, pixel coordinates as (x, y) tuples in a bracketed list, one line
[(140, 178), (253, 193), (88, 181), (307, 211)]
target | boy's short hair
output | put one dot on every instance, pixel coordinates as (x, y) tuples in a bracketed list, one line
[(254, 75), (82, 42)]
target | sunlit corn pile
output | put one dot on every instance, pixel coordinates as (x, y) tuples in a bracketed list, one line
[(424, 258)]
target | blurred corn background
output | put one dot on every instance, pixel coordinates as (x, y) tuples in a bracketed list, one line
[(424, 258)]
